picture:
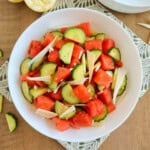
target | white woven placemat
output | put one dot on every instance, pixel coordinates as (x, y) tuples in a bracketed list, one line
[(144, 51)]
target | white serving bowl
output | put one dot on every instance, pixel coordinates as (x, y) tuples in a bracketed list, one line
[(127, 6), (100, 23)]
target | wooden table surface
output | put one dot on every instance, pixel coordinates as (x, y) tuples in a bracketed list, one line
[(134, 134)]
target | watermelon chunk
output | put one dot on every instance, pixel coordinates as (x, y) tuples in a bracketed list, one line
[(35, 48), (47, 39), (106, 96), (77, 51), (93, 44), (44, 102), (85, 27), (62, 73), (82, 93), (102, 78), (95, 107), (82, 119), (53, 56), (107, 62), (107, 44), (61, 124)]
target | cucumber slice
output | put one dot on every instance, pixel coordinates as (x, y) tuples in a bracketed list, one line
[(25, 91), (96, 53), (123, 86), (100, 36), (75, 34), (91, 90), (65, 52), (78, 72), (48, 69), (90, 38), (70, 109), (37, 63), (1, 53), (53, 85), (58, 34), (101, 116), (1, 102), (35, 92), (115, 54), (11, 121), (68, 94), (92, 57), (60, 108), (122, 72), (97, 124), (24, 67)]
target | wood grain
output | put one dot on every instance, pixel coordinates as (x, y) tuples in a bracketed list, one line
[(134, 134)]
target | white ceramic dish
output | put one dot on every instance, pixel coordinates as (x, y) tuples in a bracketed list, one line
[(127, 6), (99, 22)]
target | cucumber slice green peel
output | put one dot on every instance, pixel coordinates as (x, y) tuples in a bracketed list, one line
[(37, 63), (37, 92), (57, 33), (119, 80), (25, 91), (70, 112), (100, 36), (92, 57), (68, 94), (96, 53), (91, 90), (115, 54), (64, 112), (24, 67), (75, 34), (78, 72), (66, 51), (11, 121), (123, 86), (101, 116), (48, 69)]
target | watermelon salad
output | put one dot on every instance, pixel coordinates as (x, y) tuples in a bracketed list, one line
[(73, 76)]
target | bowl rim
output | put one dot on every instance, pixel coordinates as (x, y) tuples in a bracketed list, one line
[(125, 7), (118, 25), (137, 4)]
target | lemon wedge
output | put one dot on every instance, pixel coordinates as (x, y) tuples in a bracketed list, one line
[(15, 1), (40, 5)]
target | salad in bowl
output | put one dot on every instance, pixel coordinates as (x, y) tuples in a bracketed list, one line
[(73, 76), (66, 75)]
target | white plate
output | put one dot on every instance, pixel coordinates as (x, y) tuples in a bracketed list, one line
[(127, 6), (100, 23)]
